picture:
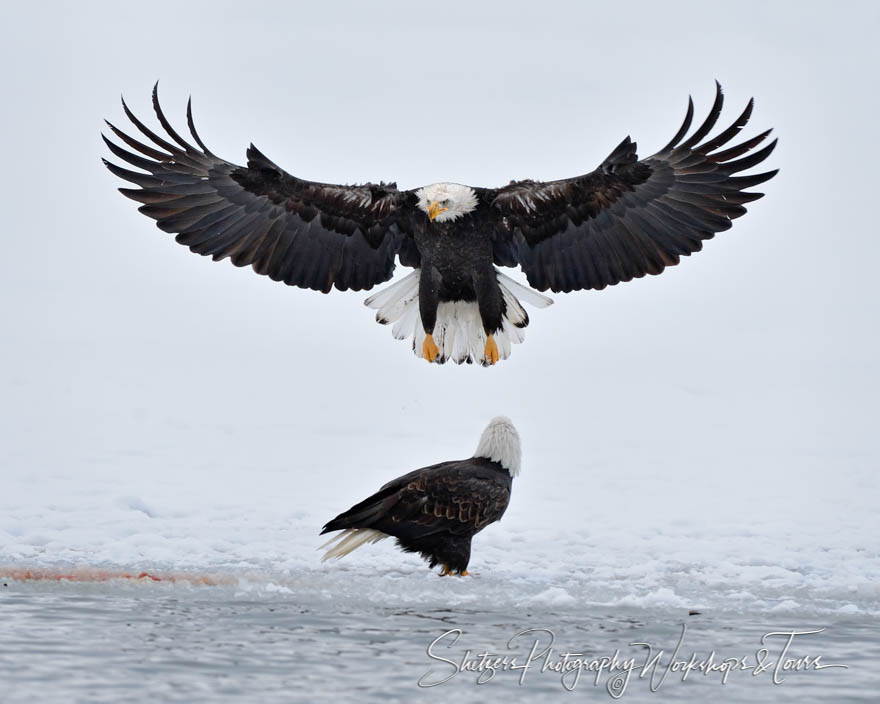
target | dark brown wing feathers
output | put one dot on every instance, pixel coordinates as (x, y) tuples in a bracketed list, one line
[(626, 219), (629, 218), (306, 234), (457, 498)]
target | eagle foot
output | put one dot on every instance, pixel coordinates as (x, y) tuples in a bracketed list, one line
[(429, 348), (492, 355), (446, 571)]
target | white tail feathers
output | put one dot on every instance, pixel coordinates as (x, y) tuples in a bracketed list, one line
[(394, 301), (349, 540), (458, 332), (529, 295)]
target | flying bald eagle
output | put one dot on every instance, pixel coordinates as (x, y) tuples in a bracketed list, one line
[(436, 510), (626, 219)]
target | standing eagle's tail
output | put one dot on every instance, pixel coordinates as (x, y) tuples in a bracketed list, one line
[(350, 540), (355, 524), (458, 333)]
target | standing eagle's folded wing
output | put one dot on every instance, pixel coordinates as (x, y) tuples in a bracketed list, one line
[(307, 234), (628, 218)]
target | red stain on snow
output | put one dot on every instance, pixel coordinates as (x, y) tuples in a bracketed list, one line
[(88, 574)]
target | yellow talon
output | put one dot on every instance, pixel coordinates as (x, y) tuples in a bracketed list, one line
[(429, 348), (446, 571), (492, 355)]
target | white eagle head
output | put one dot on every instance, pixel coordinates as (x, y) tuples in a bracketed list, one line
[(500, 443), (445, 202)]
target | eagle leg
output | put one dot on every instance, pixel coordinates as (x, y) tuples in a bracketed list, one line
[(429, 348), (491, 350), (464, 573), (445, 571)]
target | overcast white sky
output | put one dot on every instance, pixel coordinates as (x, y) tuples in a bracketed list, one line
[(117, 340)]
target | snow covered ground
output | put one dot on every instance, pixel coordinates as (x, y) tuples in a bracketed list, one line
[(611, 529), (613, 535)]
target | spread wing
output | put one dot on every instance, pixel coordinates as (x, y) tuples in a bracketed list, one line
[(628, 218), (307, 234)]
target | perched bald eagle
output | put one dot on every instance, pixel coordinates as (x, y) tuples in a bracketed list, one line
[(626, 219), (436, 510)]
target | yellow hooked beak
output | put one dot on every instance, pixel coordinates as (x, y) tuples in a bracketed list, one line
[(434, 209)]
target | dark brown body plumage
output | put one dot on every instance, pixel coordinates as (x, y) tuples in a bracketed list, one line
[(435, 511), (457, 266)]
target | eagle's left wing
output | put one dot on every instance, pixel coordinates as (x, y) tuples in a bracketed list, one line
[(627, 218), (304, 233)]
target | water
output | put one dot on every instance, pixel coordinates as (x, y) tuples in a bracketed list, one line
[(112, 641)]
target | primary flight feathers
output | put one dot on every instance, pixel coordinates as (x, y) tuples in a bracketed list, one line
[(625, 219)]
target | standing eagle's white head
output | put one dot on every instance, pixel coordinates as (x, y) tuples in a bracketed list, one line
[(500, 443), (445, 202)]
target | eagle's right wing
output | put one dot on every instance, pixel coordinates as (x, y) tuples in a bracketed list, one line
[(306, 234), (456, 499)]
